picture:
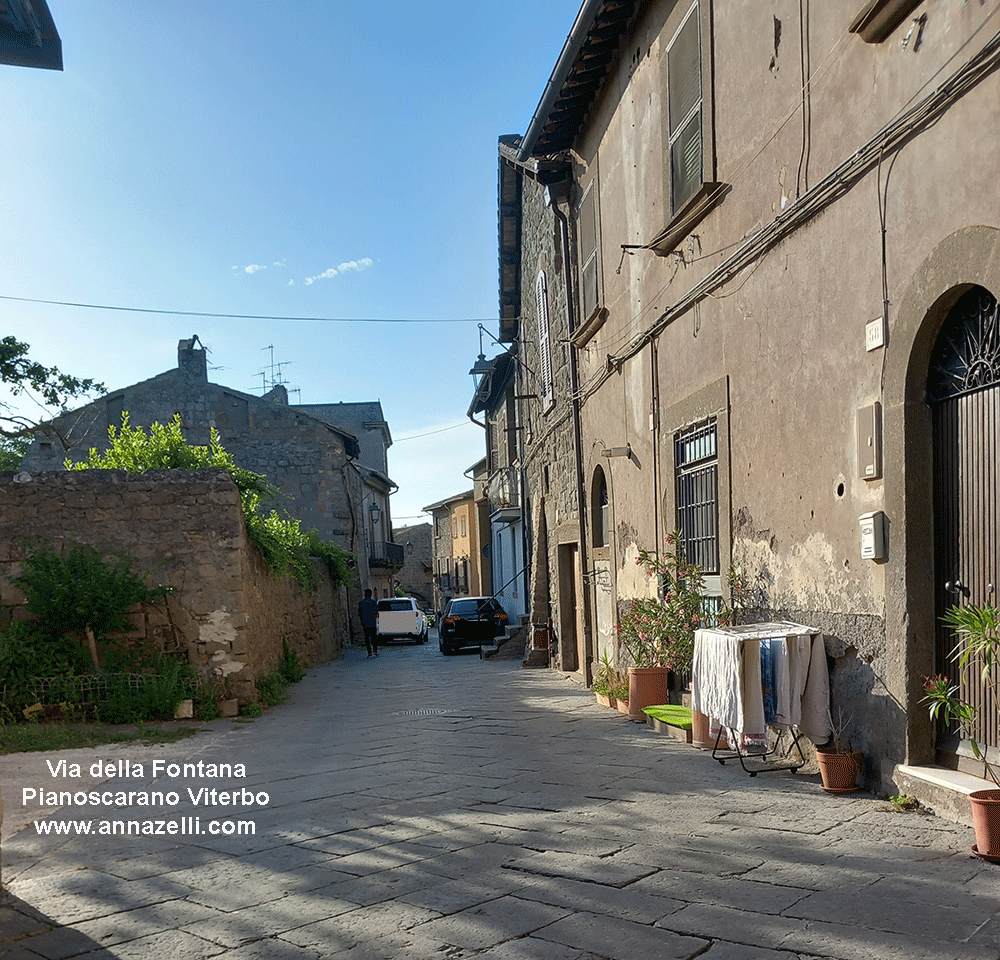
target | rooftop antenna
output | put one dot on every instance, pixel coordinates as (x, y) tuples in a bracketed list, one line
[(275, 369)]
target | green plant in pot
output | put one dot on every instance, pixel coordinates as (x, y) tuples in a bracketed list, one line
[(656, 634), (839, 765), (977, 652), (605, 676)]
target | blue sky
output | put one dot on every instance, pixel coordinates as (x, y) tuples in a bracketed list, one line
[(279, 159)]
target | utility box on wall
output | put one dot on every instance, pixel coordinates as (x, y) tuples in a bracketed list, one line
[(870, 441), (873, 546)]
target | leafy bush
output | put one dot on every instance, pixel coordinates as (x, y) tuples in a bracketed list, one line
[(272, 689), (80, 589), (253, 710), (284, 545), (290, 669), (26, 653), (123, 704)]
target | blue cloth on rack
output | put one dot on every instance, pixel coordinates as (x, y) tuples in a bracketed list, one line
[(767, 676)]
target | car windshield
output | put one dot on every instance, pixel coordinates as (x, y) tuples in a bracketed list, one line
[(464, 608), (394, 605)]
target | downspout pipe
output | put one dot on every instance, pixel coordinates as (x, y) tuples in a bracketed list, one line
[(556, 192), (570, 51)]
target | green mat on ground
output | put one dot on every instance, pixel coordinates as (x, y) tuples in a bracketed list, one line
[(671, 714)]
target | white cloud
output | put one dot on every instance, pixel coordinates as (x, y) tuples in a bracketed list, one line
[(291, 283), (349, 266), (281, 262), (254, 267)]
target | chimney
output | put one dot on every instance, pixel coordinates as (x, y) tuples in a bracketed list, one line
[(191, 360)]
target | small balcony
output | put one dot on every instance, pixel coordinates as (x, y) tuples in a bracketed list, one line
[(385, 555), (503, 493)]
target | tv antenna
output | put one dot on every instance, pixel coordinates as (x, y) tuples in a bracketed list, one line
[(274, 380)]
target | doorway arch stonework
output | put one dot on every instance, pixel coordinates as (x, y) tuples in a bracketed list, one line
[(964, 259)]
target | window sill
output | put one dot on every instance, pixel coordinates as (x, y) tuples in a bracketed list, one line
[(878, 18), (708, 196), (582, 335)]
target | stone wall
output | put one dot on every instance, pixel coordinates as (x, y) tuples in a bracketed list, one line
[(184, 529), (548, 454)]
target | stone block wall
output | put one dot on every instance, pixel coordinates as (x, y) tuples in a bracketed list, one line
[(184, 529)]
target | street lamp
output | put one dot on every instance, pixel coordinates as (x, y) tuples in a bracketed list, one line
[(481, 371), (375, 512)]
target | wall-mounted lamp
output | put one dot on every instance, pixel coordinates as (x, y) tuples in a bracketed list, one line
[(625, 451), (482, 371), (409, 546), (374, 511)]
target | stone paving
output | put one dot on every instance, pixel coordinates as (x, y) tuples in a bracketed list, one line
[(423, 807)]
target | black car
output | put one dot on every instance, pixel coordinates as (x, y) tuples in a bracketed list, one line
[(470, 622)]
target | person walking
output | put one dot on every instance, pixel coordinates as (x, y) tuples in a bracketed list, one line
[(368, 614)]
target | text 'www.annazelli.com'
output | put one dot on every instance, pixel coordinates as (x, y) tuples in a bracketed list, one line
[(180, 827)]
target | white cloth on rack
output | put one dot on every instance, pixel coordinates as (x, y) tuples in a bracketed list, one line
[(815, 722), (799, 654), (717, 678), (782, 680), (754, 729)]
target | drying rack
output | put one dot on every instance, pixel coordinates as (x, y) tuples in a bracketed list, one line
[(763, 761)]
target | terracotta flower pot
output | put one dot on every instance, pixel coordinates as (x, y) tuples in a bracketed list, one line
[(700, 731), (986, 820), (604, 700), (647, 687), (623, 707), (839, 771)]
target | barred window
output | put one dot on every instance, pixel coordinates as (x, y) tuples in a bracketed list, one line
[(696, 459), (545, 387)]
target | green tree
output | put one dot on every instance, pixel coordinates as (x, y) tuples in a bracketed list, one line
[(22, 375), (12, 451)]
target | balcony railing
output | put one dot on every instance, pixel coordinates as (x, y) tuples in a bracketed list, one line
[(503, 489), (385, 554)]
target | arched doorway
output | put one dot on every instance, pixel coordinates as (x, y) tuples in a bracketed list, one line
[(604, 601), (963, 392)]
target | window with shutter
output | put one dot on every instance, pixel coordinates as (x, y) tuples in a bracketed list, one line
[(589, 274), (684, 111), (545, 388)]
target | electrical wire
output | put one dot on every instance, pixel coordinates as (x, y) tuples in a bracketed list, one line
[(430, 433), (244, 316)]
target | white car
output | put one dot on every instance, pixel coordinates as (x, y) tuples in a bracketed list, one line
[(401, 617)]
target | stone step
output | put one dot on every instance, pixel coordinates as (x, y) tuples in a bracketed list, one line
[(940, 789)]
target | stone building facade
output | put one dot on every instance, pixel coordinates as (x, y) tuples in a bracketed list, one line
[(537, 319), (416, 576), (782, 334), (456, 548), (312, 462)]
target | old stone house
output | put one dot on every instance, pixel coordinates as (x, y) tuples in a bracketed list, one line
[(366, 422), (495, 401), (457, 550), (416, 576), (749, 263), (313, 463)]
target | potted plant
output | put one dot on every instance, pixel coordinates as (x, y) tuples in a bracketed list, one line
[(977, 648), (656, 635), (604, 678), (618, 692), (839, 765)]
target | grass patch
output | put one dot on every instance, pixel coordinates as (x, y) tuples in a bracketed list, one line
[(671, 714), (30, 737)]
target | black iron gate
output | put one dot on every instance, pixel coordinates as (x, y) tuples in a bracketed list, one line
[(964, 393)]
